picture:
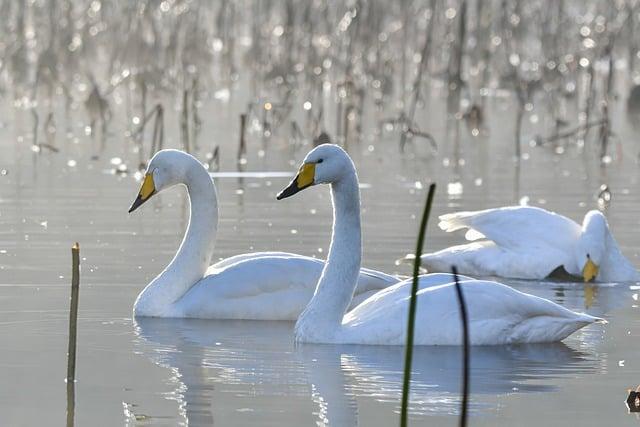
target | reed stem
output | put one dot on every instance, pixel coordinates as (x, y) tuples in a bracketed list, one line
[(412, 309), (465, 349), (242, 146), (73, 330)]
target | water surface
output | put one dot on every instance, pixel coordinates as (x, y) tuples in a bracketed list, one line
[(168, 372)]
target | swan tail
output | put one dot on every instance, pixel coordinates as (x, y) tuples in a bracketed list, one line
[(407, 259), (453, 221), (542, 329), (444, 260), (459, 221), (440, 261)]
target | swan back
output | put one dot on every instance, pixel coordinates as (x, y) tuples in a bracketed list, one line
[(498, 314)]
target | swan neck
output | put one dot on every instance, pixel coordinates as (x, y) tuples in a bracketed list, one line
[(196, 250), (340, 274)]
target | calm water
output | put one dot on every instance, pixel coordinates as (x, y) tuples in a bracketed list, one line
[(168, 372)]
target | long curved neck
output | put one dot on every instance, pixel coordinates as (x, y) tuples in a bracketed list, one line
[(339, 277), (194, 255)]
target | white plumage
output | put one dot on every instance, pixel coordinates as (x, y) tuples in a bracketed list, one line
[(498, 314), (530, 243), (263, 286)]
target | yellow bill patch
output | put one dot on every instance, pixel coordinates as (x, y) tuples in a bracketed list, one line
[(306, 175), (148, 187), (590, 271)]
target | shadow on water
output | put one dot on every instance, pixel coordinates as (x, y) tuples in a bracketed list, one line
[(206, 357)]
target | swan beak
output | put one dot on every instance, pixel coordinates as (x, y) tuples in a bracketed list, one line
[(147, 190), (590, 271), (304, 179)]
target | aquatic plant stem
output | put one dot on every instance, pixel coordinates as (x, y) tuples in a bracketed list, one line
[(412, 310), (184, 121), (465, 349), (242, 146), (73, 329)]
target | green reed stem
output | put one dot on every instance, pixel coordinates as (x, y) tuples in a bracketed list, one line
[(412, 309), (464, 319)]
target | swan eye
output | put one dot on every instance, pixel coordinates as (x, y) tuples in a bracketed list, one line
[(320, 160)]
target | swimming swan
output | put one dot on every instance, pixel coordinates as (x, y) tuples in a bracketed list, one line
[(530, 243), (498, 314), (261, 286)]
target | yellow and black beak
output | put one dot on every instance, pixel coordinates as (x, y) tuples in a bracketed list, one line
[(147, 190), (589, 271), (304, 179)]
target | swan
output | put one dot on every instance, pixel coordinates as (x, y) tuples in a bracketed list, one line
[(531, 243), (259, 286), (498, 314)]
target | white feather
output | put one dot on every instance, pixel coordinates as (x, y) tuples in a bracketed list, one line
[(498, 314), (264, 285), (530, 243)]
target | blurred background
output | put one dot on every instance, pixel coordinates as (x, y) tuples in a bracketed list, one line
[(499, 102)]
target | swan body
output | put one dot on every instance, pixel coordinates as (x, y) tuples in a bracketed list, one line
[(530, 243), (498, 314), (261, 286)]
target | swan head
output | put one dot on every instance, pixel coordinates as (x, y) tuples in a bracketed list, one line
[(325, 164), (592, 244), (166, 169)]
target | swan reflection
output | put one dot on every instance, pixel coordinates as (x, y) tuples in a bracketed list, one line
[(222, 369)]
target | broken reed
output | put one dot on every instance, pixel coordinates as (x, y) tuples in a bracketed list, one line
[(184, 121), (242, 145), (73, 329), (157, 140), (412, 309)]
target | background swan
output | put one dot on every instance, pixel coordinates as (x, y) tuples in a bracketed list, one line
[(265, 286), (498, 314), (530, 243)]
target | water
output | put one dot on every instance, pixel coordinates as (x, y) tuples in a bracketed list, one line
[(167, 372), (238, 373)]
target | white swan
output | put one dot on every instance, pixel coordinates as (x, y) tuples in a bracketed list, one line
[(498, 314), (531, 243), (261, 286)]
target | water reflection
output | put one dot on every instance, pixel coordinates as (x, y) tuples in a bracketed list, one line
[(597, 299), (207, 359)]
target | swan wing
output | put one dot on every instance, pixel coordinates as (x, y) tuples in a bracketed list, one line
[(226, 262), (485, 258), (515, 227), (434, 279), (498, 314), (368, 280), (265, 286)]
